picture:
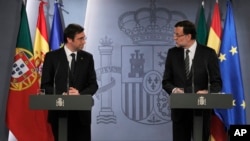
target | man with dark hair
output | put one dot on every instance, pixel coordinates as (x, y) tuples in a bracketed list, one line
[(70, 65), (186, 63)]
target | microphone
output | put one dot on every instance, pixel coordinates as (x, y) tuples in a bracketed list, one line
[(208, 81), (192, 69), (68, 79), (54, 83)]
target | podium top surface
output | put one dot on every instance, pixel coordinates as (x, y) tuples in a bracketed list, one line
[(201, 101), (61, 102)]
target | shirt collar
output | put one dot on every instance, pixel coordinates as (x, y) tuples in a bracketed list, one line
[(192, 47), (68, 52)]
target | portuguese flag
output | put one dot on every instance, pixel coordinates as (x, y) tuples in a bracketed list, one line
[(25, 124)]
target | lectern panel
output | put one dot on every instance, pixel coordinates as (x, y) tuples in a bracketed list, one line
[(201, 101), (61, 102)]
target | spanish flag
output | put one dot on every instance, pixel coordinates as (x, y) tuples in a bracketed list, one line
[(41, 46), (214, 36), (218, 132)]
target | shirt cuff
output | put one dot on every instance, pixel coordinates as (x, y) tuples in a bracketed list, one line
[(174, 89)]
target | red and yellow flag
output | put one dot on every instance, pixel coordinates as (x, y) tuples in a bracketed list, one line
[(41, 46), (218, 132), (214, 36)]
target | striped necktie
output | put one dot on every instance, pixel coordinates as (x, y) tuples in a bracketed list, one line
[(187, 63)]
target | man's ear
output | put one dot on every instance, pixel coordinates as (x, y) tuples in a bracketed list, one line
[(189, 36), (69, 40)]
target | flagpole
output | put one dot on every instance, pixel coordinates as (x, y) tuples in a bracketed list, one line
[(25, 2)]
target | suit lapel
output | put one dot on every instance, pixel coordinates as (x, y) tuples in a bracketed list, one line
[(182, 62), (62, 57), (198, 56), (79, 65)]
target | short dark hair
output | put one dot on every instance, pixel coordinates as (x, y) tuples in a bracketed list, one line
[(188, 28), (71, 30)]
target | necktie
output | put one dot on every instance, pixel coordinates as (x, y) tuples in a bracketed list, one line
[(73, 61), (187, 63)]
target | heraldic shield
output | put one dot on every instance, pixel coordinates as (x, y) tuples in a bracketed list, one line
[(143, 99)]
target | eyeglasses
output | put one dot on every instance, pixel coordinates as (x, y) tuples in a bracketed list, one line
[(178, 36)]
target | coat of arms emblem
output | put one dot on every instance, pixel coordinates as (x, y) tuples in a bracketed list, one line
[(59, 102), (201, 100)]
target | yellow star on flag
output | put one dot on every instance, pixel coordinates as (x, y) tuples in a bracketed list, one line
[(233, 50), (222, 57), (234, 104), (243, 104)]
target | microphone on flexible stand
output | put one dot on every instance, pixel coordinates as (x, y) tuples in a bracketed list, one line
[(54, 83), (68, 80), (192, 70), (208, 80)]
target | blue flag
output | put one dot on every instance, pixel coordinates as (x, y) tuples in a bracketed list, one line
[(231, 73), (56, 34)]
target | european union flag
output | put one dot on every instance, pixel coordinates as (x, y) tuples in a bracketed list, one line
[(231, 73), (56, 34)]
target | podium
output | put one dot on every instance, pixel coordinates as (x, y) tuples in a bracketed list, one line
[(200, 101), (61, 102)]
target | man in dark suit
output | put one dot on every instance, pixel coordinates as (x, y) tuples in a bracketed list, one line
[(72, 75), (186, 63)]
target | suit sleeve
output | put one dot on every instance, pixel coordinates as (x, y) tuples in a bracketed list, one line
[(214, 72), (92, 85), (167, 82), (47, 74)]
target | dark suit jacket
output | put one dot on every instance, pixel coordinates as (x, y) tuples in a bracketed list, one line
[(205, 61), (55, 70)]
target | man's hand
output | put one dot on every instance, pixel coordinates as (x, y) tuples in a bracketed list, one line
[(202, 92), (178, 90), (73, 91)]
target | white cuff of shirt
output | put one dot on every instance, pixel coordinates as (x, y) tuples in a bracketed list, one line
[(174, 89)]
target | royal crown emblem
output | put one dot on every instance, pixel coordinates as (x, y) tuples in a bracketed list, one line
[(150, 24)]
